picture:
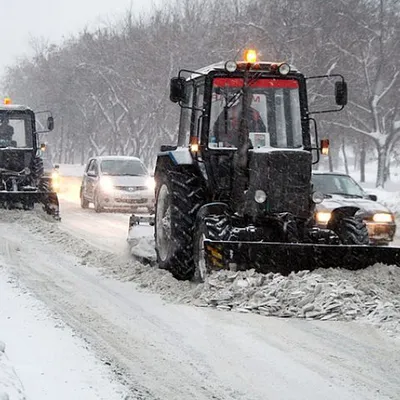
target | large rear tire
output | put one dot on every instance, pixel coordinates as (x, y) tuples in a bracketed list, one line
[(179, 196), (352, 231)]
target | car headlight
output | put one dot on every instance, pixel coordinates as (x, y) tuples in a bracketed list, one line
[(323, 217), (382, 217), (106, 184), (151, 183), (55, 180)]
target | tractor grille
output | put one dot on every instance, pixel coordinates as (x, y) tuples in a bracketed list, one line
[(285, 176), (15, 160), (130, 188)]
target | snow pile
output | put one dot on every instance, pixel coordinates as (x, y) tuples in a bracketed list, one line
[(370, 296), (10, 385), (389, 199)]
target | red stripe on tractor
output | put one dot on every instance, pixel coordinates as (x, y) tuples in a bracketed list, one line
[(259, 83)]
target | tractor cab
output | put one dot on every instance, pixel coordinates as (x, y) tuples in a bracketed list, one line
[(236, 191), (22, 183)]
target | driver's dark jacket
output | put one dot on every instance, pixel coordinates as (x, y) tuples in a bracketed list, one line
[(6, 132), (230, 134)]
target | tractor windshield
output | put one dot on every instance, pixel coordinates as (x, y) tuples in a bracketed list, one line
[(15, 130), (273, 116)]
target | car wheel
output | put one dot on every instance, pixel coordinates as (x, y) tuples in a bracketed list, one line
[(98, 207), (84, 202)]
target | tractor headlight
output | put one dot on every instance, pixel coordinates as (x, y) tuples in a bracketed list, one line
[(323, 217), (284, 69), (260, 196), (318, 197), (151, 183), (106, 184), (230, 66), (382, 217)]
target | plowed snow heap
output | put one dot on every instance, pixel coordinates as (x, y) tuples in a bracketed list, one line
[(22, 179), (236, 192)]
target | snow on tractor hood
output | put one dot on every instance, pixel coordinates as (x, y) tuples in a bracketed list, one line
[(334, 201)]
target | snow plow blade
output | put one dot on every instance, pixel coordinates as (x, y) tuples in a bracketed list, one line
[(141, 238), (27, 199), (285, 258)]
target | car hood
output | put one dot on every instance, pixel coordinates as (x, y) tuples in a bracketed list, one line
[(366, 205), (126, 180)]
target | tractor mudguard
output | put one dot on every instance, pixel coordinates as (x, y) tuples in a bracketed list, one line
[(285, 258)]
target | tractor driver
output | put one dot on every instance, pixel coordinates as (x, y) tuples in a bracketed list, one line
[(6, 130), (226, 127)]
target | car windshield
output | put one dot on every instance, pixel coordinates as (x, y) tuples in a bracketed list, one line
[(274, 118), (122, 167), (337, 184)]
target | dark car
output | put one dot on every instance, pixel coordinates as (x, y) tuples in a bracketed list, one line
[(342, 190)]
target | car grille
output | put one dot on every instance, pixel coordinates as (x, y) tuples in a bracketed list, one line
[(131, 201), (130, 188)]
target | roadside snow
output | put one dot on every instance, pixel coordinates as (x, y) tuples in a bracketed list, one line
[(46, 355), (370, 296), (10, 385), (75, 170)]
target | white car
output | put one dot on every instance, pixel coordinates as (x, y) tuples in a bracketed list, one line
[(117, 182)]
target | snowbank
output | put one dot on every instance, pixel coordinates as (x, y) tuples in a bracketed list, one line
[(370, 296), (10, 385), (72, 170)]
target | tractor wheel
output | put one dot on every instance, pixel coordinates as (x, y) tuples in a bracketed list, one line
[(84, 202), (352, 231), (179, 196), (37, 170), (213, 227)]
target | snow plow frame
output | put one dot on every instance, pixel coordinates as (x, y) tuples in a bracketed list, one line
[(285, 258), (49, 200)]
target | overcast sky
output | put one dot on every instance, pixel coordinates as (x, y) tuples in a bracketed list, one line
[(22, 20)]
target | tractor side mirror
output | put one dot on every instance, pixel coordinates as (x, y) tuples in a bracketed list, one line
[(177, 90), (372, 197), (50, 123), (341, 93)]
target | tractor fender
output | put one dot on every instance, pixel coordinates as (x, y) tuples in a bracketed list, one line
[(341, 212), (171, 158), (178, 155), (216, 208)]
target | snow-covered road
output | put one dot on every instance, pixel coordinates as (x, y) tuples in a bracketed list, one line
[(165, 350)]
